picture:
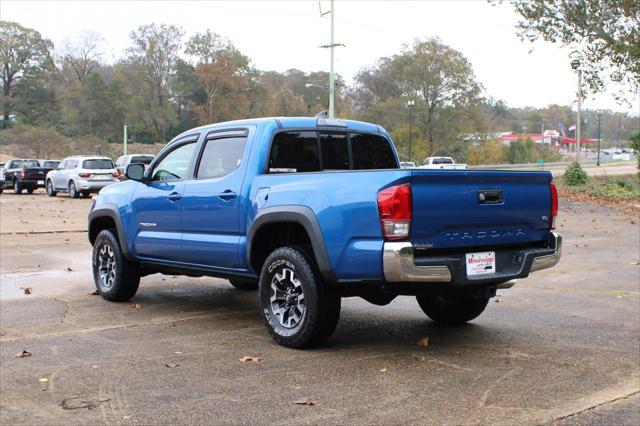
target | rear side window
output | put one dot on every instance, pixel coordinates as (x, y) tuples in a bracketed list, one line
[(220, 157), (293, 152), (142, 159), (442, 160), (335, 151), (97, 164), (71, 164), (371, 152)]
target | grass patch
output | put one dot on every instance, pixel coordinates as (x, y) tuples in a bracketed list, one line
[(607, 188)]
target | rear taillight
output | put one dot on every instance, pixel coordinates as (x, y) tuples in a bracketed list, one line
[(22, 173), (115, 174), (84, 175), (554, 205), (394, 206)]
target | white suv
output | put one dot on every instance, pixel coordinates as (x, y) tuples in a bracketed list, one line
[(81, 175)]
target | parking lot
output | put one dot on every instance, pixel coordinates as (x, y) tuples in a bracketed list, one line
[(561, 346)]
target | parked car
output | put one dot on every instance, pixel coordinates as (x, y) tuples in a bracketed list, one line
[(310, 210), (123, 161), (444, 163), (1, 176), (49, 164), (23, 175), (407, 165), (81, 175)]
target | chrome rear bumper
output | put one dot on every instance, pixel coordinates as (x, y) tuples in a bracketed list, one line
[(399, 264)]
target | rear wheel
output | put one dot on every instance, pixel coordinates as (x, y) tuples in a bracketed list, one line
[(245, 285), (17, 188), (50, 191), (85, 194), (29, 190), (73, 192), (452, 307), (115, 277), (298, 309)]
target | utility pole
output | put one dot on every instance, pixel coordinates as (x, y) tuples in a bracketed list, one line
[(332, 45), (410, 104), (599, 116), (125, 139), (332, 88), (575, 64)]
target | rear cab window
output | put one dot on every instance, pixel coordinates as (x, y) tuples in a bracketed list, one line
[(97, 164), (313, 151), (142, 159)]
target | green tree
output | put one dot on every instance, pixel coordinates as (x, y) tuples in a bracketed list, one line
[(439, 79), (522, 151), (603, 34), (24, 55), (154, 54)]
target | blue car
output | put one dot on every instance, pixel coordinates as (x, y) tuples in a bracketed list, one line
[(310, 210)]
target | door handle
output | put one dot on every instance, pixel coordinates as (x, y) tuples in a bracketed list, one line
[(174, 196), (227, 195)]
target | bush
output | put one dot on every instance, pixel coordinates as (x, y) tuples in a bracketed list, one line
[(618, 189), (575, 175), (635, 145)]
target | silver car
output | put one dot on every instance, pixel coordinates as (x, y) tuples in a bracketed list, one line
[(81, 175)]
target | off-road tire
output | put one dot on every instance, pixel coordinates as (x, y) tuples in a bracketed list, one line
[(452, 307), (125, 276), (321, 303), (73, 191), (50, 191), (17, 188), (29, 191), (245, 285)]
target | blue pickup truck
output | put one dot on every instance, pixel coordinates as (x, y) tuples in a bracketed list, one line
[(310, 210)]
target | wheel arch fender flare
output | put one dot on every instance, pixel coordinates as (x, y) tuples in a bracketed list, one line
[(304, 216), (109, 211)]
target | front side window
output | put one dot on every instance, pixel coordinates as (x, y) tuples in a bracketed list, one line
[(97, 164), (335, 151), (293, 152), (371, 152), (174, 166), (220, 157)]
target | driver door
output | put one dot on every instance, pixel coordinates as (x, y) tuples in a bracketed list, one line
[(156, 205)]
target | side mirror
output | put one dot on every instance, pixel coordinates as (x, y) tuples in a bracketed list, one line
[(135, 172)]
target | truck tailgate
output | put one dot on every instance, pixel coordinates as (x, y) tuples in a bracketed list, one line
[(477, 208)]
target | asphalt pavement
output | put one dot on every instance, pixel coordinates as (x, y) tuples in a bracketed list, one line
[(562, 346)]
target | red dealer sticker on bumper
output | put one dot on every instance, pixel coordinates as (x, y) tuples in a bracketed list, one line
[(481, 263)]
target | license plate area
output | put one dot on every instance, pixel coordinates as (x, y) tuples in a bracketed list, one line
[(481, 263), (40, 182)]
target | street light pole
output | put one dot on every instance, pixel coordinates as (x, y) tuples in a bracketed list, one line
[(599, 136), (410, 105), (575, 64)]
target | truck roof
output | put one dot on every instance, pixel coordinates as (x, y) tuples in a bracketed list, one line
[(294, 123)]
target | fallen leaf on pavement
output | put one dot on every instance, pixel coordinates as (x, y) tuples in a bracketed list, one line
[(250, 359), (171, 365), (304, 401), (69, 269), (27, 290), (95, 292), (383, 370), (136, 306), (23, 354), (424, 342), (43, 380)]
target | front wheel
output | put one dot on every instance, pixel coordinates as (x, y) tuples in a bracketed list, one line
[(50, 191), (17, 188), (115, 277), (298, 309), (452, 307)]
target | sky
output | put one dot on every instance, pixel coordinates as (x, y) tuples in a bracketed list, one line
[(279, 35)]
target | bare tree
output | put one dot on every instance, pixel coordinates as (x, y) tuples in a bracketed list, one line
[(82, 54)]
